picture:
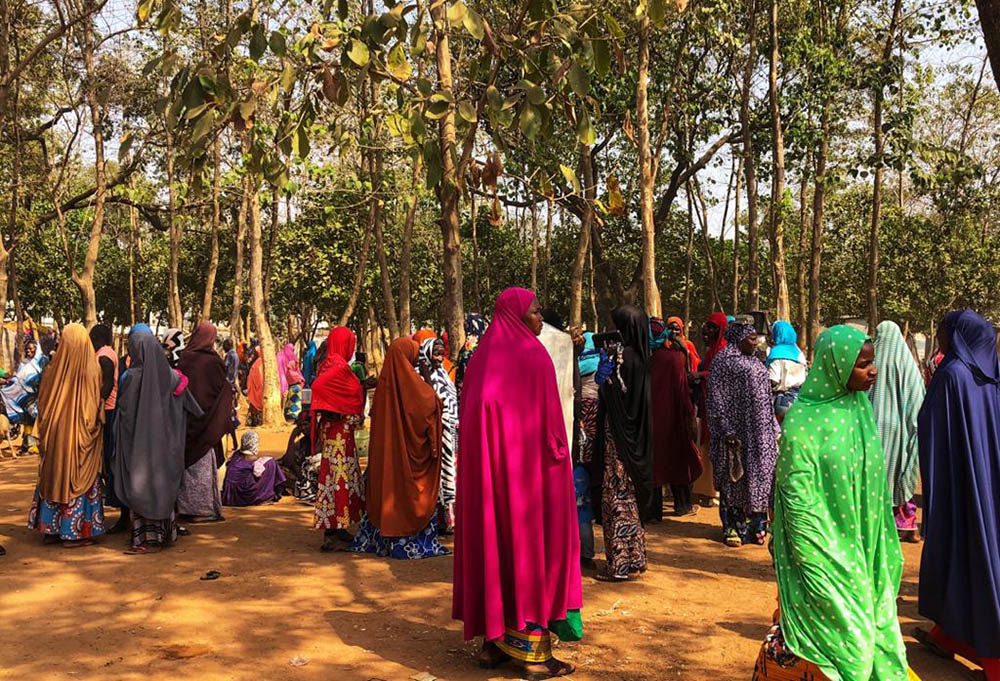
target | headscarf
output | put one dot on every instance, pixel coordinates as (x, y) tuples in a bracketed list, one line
[(404, 464), (626, 403), (342, 342), (150, 430), (959, 436), (692, 351), (717, 343), (514, 472), (250, 444), (475, 325), (590, 357), (423, 334), (448, 394), (309, 364), (70, 420), (896, 400), (336, 389), (136, 328), (206, 373), (100, 335), (836, 551), (785, 344), (173, 342), (739, 403), (288, 374), (676, 459), (255, 384)]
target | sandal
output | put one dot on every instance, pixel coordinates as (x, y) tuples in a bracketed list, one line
[(211, 575), (77, 543), (491, 657), (603, 576), (143, 549), (924, 638), (732, 538), (554, 669), (183, 531)]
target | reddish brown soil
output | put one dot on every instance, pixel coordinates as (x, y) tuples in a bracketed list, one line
[(96, 613)]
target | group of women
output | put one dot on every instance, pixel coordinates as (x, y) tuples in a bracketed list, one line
[(143, 434)]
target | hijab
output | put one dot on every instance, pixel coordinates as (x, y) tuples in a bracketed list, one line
[(206, 373), (896, 399), (836, 550), (693, 359), (288, 374), (445, 390), (100, 336), (590, 358), (336, 388), (626, 403), (173, 342), (150, 431), (404, 464), (785, 344), (309, 364), (70, 419), (514, 472), (959, 441), (716, 344)]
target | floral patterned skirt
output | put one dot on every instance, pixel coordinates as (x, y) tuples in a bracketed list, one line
[(81, 518), (624, 535), (339, 488), (423, 544)]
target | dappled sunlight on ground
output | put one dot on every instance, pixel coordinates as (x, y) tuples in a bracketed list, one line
[(96, 613)]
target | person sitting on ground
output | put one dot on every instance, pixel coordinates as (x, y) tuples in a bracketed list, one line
[(252, 479)]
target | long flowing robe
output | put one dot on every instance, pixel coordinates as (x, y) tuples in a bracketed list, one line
[(404, 454), (836, 551), (676, 459), (896, 400), (448, 394), (517, 540), (559, 345), (959, 435), (150, 430), (206, 374)]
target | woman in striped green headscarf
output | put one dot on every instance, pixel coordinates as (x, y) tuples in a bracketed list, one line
[(896, 399), (836, 552)]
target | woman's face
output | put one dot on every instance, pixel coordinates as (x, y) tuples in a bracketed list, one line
[(533, 317), (709, 332), (437, 356), (863, 376), (749, 344), (30, 348)]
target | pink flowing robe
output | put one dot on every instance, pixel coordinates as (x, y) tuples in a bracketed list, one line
[(517, 541)]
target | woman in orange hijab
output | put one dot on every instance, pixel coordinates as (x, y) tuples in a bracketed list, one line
[(67, 503), (404, 462), (423, 334), (692, 351)]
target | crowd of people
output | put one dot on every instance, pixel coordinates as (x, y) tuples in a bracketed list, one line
[(536, 433)]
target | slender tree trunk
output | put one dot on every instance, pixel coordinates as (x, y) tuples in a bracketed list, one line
[(736, 236), (272, 242), (359, 278), (815, 255), (447, 190), (174, 307), (650, 291), (879, 139), (593, 289), (689, 255), (583, 246), (750, 167), (6, 360), (84, 279), (405, 257), (801, 259), (707, 242), (271, 409), (236, 315), (534, 248), (375, 216), (213, 253), (135, 312), (548, 252), (779, 276)]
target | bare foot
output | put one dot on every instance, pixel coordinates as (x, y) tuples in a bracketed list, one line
[(491, 656), (548, 670), (77, 543)]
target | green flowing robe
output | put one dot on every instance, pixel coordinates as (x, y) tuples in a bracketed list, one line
[(836, 550)]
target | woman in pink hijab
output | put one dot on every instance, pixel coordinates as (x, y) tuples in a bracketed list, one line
[(291, 381), (517, 542)]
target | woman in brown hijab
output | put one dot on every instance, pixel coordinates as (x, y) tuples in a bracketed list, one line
[(404, 462), (67, 503)]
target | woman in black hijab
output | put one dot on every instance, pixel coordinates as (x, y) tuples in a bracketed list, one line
[(625, 435)]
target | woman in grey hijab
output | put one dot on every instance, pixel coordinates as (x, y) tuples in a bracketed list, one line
[(149, 442)]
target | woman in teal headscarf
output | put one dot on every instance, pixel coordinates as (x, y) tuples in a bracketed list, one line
[(836, 552), (896, 399)]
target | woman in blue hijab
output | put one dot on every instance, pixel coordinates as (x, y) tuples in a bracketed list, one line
[(959, 438), (309, 364), (786, 367)]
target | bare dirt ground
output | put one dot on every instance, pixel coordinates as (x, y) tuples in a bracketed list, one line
[(283, 610)]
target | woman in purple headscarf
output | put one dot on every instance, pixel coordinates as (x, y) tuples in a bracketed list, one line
[(517, 542), (959, 438)]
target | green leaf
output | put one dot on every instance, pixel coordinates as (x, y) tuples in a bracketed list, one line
[(143, 10), (202, 126), (579, 80), (247, 109), (258, 42), (571, 178), (342, 9), (530, 121), (277, 44), (614, 27), (432, 160), (535, 94), (585, 129), (419, 43), (150, 66), (397, 63), (493, 98), (300, 142), (287, 78), (473, 23), (193, 94), (456, 13), (437, 109), (358, 53), (468, 112), (657, 12), (602, 56), (196, 111)]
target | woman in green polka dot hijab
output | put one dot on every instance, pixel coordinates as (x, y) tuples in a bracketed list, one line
[(836, 551)]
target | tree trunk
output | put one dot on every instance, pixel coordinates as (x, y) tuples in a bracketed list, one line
[(593, 289), (583, 246), (135, 310), (447, 191), (548, 253), (779, 276), (879, 139), (800, 260), (750, 167), (989, 18), (84, 280), (815, 255), (174, 308), (213, 254), (271, 409), (477, 293), (359, 277), (707, 241), (272, 242), (650, 291), (534, 248), (375, 217), (405, 256), (688, 257), (236, 315), (736, 236)]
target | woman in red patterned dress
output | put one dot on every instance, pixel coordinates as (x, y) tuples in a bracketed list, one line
[(336, 410)]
